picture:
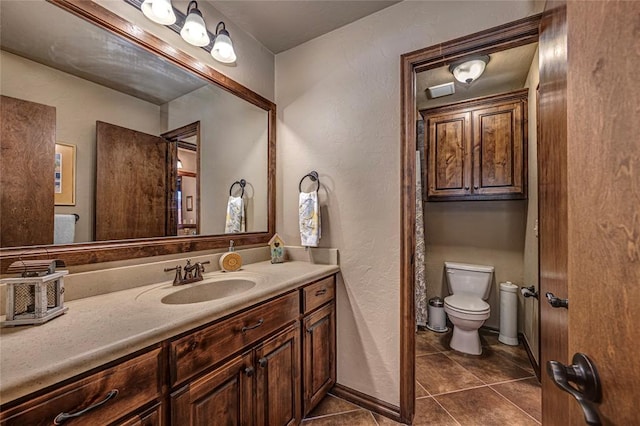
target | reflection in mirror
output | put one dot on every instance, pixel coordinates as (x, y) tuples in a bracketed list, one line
[(64, 75)]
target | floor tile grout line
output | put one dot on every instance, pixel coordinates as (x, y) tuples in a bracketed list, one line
[(467, 370), (459, 390), (446, 411), (334, 414), (512, 380), (374, 418), (515, 405), (423, 388)]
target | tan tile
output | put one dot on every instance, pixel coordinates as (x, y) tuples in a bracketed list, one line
[(429, 412), (438, 374), (526, 394), (420, 391), (352, 418), (488, 337), (516, 354), (332, 405), (423, 345), (489, 367), (437, 341), (483, 406), (385, 421)]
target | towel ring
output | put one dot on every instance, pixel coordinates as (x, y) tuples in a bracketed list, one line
[(242, 184), (314, 178)]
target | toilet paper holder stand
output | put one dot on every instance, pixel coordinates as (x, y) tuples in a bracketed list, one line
[(529, 291)]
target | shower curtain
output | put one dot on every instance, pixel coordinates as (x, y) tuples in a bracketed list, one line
[(420, 279)]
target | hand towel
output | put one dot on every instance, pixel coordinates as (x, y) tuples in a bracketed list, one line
[(309, 217), (64, 228), (235, 215)]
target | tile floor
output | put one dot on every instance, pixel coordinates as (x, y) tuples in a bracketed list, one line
[(496, 388)]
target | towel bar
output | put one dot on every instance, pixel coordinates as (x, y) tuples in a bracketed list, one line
[(242, 184), (313, 175)]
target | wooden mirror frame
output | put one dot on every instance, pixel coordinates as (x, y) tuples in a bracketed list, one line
[(512, 34), (85, 253)]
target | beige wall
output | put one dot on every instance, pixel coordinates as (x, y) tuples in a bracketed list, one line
[(254, 67), (233, 144), (79, 103), (477, 232), (338, 102), (529, 306)]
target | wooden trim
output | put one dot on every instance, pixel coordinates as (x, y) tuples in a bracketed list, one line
[(516, 95), (186, 173), (84, 253), (503, 37), (532, 359), (365, 401)]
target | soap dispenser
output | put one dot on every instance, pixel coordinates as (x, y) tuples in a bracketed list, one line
[(230, 261)]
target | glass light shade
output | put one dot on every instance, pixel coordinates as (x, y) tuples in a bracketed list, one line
[(179, 164), (469, 71), (223, 48), (159, 11), (194, 30)]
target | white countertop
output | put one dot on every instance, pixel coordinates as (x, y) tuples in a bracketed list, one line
[(100, 329)]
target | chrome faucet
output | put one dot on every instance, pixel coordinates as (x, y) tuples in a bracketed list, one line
[(192, 273)]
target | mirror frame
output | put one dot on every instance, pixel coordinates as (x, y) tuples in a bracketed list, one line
[(85, 253), (506, 36)]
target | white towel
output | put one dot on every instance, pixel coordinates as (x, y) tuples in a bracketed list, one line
[(309, 217), (64, 228), (235, 216)]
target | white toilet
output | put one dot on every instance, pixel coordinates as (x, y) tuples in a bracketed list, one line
[(469, 286)]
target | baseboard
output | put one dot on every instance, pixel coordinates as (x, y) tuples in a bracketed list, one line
[(532, 359), (366, 401)]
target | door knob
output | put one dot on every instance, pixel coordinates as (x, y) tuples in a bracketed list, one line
[(556, 302), (584, 375)]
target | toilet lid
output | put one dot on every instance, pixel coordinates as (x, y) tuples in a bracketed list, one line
[(468, 303)]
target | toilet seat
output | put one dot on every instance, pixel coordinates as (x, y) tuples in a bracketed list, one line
[(466, 304)]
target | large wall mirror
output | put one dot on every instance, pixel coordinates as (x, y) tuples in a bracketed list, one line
[(115, 145)]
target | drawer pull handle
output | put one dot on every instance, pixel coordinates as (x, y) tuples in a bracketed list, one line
[(321, 292), (262, 362), (249, 371), (193, 345), (63, 417), (251, 327)]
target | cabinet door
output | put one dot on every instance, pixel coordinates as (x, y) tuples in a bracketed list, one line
[(319, 347), (499, 146), (151, 417), (278, 400), (449, 155), (222, 397)]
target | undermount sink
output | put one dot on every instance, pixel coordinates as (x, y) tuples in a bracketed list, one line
[(206, 291)]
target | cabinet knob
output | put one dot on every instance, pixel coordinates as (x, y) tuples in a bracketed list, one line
[(262, 362), (475, 186), (249, 371), (466, 188)]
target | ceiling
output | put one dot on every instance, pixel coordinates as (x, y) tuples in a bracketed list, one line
[(507, 70), (283, 24)]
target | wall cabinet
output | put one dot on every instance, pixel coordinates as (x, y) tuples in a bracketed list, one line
[(245, 369), (476, 150)]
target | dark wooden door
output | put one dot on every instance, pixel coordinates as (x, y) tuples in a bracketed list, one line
[(590, 240), (132, 177), (27, 150), (223, 397), (449, 154), (278, 401), (319, 344), (498, 149)]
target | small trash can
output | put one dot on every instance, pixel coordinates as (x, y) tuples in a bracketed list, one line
[(508, 314), (437, 317)]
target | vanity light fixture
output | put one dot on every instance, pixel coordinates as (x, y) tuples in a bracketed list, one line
[(194, 30), (222, 47), (179, 164), (469, 69), (159, 11)]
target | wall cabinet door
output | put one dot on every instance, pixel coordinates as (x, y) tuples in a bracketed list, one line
[(448, 159), (278, 401), (318, 346), (498, 162), (222, 397)]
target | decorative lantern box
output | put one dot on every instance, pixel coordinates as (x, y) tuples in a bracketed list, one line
[(34, 300), (276, 246)]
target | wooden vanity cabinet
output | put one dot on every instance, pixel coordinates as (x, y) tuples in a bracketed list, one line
[(102, 398), (476, 150), (318, 341)]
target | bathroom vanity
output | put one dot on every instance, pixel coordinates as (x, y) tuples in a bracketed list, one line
[(144, 356)]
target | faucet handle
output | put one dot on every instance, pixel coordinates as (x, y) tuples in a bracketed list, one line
[(177, 279)]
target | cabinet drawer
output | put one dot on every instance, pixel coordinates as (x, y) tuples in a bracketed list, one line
[(319, 293), (198, 351), (121, 390)]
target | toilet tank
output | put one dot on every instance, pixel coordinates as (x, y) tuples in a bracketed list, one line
[(467, 278)]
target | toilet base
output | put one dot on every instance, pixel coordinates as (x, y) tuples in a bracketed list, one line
[(466, 341)]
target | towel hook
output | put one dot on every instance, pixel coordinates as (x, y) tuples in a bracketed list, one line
[(313, 175), (242, 184)]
